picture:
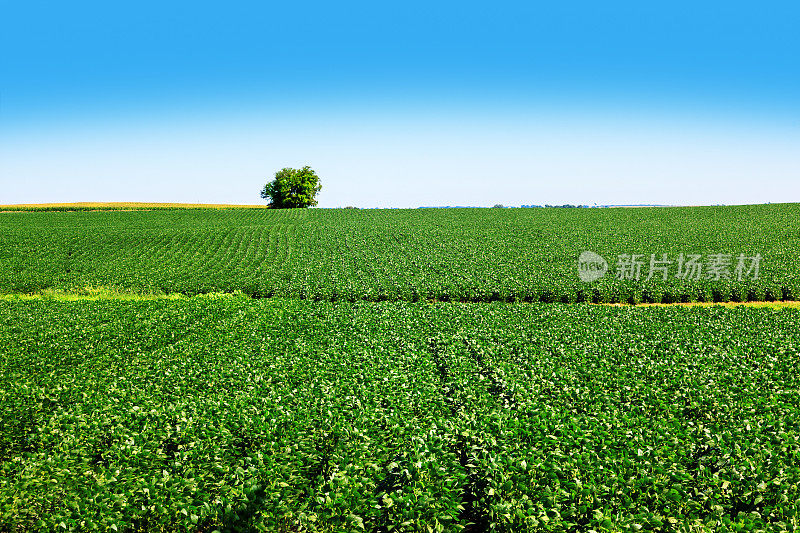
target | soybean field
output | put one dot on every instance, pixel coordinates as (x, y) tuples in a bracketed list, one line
[(472, 255), (241, 370)]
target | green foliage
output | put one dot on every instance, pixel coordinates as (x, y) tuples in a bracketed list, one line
[(292, 188), (230, 414), (402, 413), (467, 255)]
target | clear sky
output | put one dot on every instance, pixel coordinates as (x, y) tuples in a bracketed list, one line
[(402, 104)]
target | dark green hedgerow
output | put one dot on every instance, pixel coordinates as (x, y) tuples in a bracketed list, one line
[(233, 415)]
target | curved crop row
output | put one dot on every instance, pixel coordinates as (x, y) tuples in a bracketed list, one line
[(467, 255)]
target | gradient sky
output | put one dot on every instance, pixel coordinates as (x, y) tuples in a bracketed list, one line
[(402, 104)]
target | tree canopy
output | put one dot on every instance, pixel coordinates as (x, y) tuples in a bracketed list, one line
[(292, 188)]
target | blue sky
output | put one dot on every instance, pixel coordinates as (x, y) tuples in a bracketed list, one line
[(402, 104)]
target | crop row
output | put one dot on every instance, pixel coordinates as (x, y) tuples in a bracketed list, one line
[(473, 255), (282, 415)]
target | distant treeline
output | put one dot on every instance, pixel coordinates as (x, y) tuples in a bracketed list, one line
[(541, 206), (495, 206), (548, 205)]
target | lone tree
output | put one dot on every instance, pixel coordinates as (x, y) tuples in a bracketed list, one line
[(292, 188)]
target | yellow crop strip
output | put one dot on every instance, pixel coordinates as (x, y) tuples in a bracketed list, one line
[(103, 293), (106, 293), (775, 304), (125, 205)]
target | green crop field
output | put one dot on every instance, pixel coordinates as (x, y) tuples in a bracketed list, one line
[(395, 371), (407, 255)]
